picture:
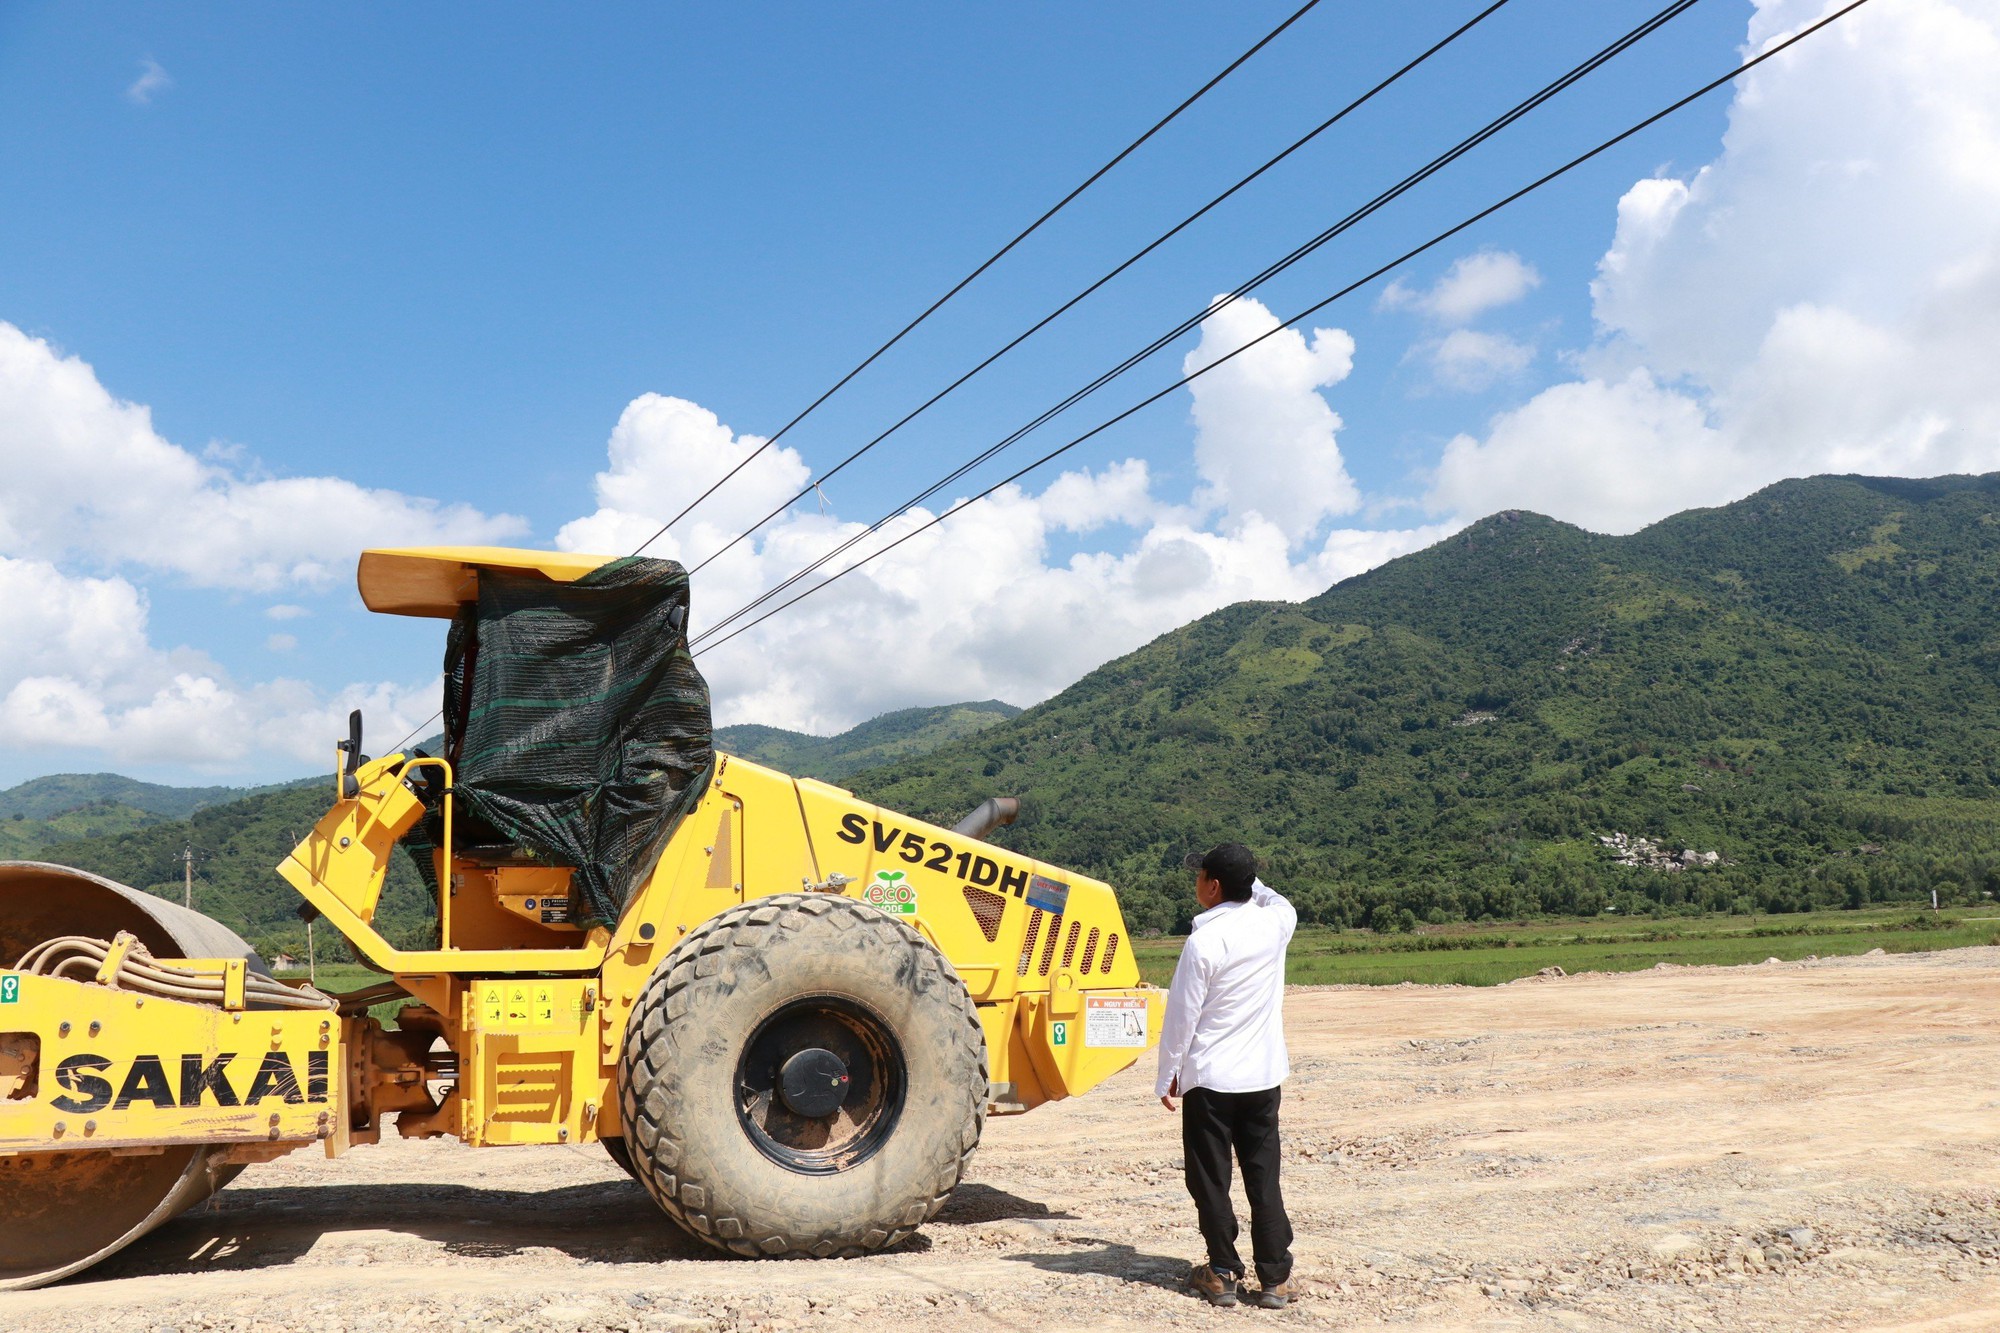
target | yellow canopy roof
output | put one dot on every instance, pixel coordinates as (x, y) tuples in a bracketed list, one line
[(437, 580)]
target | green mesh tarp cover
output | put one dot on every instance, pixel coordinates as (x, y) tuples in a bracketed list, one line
[(576, 724)]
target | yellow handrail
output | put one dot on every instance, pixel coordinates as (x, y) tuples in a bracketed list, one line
[(444, 873)]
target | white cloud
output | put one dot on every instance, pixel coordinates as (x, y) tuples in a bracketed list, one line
[(1473, 285), (79, 671), (152, 81), (1469, 360), (664, 453), (1823, 297), (56, 625), (1086, 501), (89, 480), (1613, 455), (979, 606), (1265, 440)]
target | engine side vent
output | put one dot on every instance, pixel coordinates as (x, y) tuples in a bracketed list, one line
[(987, 909), (1028, 944), (1089, 949), (1049, 945), (1110, 952), (1069, 945)]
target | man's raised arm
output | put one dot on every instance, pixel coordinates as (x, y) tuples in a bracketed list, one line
[(1263, 895)]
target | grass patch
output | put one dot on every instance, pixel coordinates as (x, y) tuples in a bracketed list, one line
[(1881, 546), (1490, 955), (336, 979), (1487, 955)]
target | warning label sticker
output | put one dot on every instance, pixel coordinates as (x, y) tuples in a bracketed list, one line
[(516, 1006), (10, 989), (1114, 1020)]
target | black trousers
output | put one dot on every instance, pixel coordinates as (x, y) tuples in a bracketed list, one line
[(1213, 1124)]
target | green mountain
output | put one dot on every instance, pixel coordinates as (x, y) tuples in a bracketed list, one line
[(237, 842), (1806, 683), (24, 839), (236, 847), (59, 793), (66, 806), (881, 740)]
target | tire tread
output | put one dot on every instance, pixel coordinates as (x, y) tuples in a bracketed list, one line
[(658, 1027)]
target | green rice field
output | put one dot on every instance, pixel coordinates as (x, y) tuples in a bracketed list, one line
[(1486, 955)]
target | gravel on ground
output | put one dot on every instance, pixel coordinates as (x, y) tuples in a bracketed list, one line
[(1786, 1146)]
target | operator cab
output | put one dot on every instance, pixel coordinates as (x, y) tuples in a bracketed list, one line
[(576, 734)]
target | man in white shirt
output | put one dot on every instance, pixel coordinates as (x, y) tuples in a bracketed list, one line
[(1223, 1051)]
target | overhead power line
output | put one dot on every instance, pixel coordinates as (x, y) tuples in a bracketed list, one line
[(990, 261), (1136, 256), (964, 282), (1352, 219), (1315, 308)]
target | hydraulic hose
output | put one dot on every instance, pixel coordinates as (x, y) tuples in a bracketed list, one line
[(81, 958)]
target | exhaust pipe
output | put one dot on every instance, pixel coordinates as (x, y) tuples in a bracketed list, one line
[(991, 814)]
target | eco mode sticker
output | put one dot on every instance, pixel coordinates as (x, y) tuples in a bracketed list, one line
[(891, 891), (10, 989), (1114, 1020)]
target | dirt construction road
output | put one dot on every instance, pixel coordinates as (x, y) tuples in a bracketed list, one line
[(1810, 1146)]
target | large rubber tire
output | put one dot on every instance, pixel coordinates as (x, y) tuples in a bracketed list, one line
[(790, 966)]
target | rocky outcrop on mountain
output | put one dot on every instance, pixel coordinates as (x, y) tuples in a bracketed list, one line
[(1645, 854)]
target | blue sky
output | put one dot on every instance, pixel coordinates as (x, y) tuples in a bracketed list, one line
[(438, 251)]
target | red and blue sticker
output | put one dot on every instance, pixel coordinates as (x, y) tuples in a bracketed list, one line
[(1051, 895)]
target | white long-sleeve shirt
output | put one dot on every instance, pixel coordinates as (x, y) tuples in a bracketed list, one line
[(1225, 1025)]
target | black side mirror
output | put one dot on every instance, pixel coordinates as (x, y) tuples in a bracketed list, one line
[(351, 747)]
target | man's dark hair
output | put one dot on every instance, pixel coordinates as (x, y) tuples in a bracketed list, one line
[(1231, 865)]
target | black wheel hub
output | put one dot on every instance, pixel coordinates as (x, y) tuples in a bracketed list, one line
[(813, 1083), (820, 1084)]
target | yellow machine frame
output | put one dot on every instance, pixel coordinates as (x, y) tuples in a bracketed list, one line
[(538, 1028), (529, 1008)]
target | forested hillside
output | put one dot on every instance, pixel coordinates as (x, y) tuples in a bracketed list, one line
[(880, 740), (66, 806), (1806, 683), (41, 798), (237, 847)]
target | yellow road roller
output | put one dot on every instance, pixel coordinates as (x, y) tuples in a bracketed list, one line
[(785, 1011)]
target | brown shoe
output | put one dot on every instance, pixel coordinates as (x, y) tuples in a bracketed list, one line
[(1274, 1298), (1213, 1287)]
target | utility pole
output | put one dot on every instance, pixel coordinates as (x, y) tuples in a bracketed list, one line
[(187, 865)]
